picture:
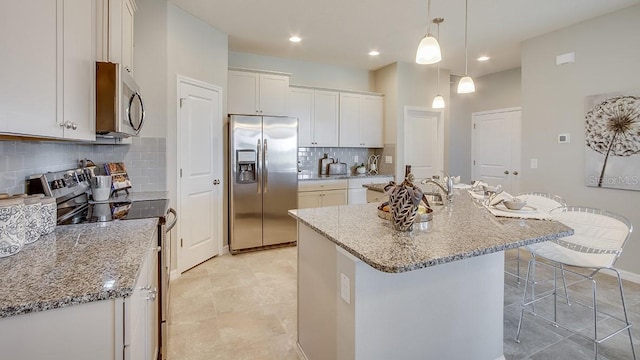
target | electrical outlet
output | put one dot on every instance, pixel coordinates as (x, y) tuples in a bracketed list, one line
[(388, 159), (534, 163), (355, 159), (345, 288)]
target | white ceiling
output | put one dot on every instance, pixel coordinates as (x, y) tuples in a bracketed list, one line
[(342, 32)]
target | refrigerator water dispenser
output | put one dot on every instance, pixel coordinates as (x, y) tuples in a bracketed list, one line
[(245, 166)]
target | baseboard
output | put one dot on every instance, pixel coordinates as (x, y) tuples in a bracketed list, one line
[(174, 274), (225, 250), (302, 356), (501, 358), (625, 275)]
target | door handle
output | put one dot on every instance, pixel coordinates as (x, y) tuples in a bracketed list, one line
[(506, 172), (266, 166), (259, 167), (216, 182), (515, 173)]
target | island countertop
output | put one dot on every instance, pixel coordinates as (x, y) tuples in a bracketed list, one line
[(460, 230), (76, 264)]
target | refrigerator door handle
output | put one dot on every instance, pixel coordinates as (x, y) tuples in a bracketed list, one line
[(259, 167), (265, 167)]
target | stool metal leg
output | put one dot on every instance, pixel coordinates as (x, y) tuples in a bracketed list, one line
[(595, 319), (564, 283), (530, 272), (624, 309)]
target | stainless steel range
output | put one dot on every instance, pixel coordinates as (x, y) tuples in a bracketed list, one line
[(71, 187)]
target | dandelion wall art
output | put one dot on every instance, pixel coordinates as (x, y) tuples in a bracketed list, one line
[(612, 140)]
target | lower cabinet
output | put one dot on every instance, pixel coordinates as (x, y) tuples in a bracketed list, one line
[(322, 193), (116, 329), (357, 194)]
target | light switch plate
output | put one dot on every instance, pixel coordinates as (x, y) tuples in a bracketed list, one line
[(345, 288), (564, 138), (388, 159), (355, 159), (534, 163)]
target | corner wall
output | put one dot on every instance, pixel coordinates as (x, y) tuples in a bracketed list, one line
[(607, 56)]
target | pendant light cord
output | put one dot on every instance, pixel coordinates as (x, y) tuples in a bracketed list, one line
[(466, 13), (438, 24), (428, 17)]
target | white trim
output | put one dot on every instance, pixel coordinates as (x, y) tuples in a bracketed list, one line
[(625, 275), (174, 274), (300, 352), (494, 111), (187, 80), (225, 250), (338, 90), (233, 68)]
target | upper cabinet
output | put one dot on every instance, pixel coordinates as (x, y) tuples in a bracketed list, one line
[(48, 81), (256, 93), (317, 113), (115, 32), (361, 120)]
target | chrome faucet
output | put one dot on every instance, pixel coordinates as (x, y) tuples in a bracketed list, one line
[(446, 187)]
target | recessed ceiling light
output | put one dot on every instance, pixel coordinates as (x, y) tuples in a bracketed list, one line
[(295, 39), (483, 58), (374, 53)]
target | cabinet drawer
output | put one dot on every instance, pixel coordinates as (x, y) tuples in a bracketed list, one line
[(318, 185)]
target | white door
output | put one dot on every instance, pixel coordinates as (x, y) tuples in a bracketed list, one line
[(200, 129), (423, 142), (496, 148)]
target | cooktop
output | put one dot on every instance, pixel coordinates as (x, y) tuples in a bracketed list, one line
[(109, 211)]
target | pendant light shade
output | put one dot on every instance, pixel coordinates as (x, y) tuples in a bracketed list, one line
[(428, 50), (466, 84), (438, 102)]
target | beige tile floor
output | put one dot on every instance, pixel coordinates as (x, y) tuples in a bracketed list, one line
[(243, 307)]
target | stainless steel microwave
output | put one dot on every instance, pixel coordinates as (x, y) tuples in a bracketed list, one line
[(119, 105)]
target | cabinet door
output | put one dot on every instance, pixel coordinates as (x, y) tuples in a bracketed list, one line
[(325, 119), (78, 78), (127, 35), (334, 197), (273, 94), (152, 324), (371, 121), (301, 107), (243, 95), (309, 199), (349, 120), (29, 67)]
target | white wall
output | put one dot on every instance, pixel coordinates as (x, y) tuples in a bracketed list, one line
[(607, 57), (495, 91), (307, 73)]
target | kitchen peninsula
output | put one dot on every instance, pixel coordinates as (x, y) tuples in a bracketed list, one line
[(366, 291)]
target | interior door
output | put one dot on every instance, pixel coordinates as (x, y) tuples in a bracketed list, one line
[(201, 181), (496, 148), (423, 142)]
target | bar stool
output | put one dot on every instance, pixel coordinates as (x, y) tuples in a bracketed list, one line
[(543, 202), (598, 240)]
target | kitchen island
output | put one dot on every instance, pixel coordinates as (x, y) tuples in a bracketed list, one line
[(368, 292)]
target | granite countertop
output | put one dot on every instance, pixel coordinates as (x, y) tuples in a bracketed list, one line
[(76, 264), (338, 177), (460, 230)]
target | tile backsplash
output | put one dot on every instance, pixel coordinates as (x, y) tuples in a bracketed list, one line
[(309, 157), (145, 158)]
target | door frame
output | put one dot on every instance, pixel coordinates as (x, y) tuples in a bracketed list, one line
[(401, 137), (198, 83), (515, 155)]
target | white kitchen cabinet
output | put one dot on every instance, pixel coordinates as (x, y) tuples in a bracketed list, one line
[(319, 193), (48, 82), (115, 32), (317, 113), (357, 194), (255, 93), (361, 120)]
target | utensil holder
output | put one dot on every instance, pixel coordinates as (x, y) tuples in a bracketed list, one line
[(11, 226)]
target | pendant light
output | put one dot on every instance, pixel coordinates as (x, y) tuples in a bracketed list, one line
[(428, 49), (438, 101), (466, 84)]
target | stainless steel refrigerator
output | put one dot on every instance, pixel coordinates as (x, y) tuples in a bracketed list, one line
[(263, 180)]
